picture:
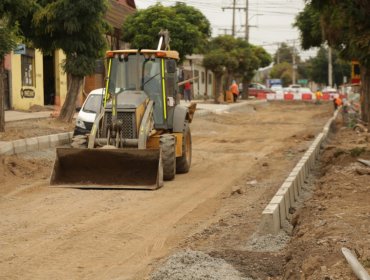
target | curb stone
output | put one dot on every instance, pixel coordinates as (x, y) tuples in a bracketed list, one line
[(277, 210), (35, 143)]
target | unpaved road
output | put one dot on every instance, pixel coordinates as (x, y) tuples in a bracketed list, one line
[(239, 160)]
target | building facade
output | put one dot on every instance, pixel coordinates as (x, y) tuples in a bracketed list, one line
[(203, 79)]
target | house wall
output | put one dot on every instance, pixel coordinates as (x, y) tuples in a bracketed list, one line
[(20, 102), (203, 85), (60, 77)]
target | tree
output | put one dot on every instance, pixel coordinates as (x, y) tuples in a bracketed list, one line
[(189, 28), (319, 67), (285, 54), (236, 58), (345, 26), (76, 27), (282, 71), (10, 11)]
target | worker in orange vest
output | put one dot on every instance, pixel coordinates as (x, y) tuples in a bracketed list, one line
[(337, 102), (234, 90)]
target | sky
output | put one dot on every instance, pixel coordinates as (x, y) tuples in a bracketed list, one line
[(270, 20)]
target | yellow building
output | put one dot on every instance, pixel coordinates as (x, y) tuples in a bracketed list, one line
[(35, 79)]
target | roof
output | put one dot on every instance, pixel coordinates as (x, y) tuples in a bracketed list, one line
[(168, 54), (118, 10)]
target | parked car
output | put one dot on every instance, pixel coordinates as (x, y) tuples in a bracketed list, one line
[(255, 88), (277, 88), (86, 116)]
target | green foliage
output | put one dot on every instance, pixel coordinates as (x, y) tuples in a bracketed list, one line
[(10, 11), (308, 22), (235, 56), (319, 67), (76, 27), (345, 25), (285, 54), (189, 28), (282, 71)]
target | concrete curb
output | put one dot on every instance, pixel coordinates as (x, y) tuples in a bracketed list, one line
[(35, 143), (276, 212)]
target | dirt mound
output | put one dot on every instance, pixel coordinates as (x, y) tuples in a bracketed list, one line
[(337, 215), (189, 265), (18, 170)]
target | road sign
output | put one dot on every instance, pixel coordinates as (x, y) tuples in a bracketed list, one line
[(20, 49), (303, 81)]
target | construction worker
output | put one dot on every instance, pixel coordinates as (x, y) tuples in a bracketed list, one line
[(234, 90), (337, 101), (318, 96)]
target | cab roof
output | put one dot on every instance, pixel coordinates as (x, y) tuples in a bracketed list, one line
[(156, 53)]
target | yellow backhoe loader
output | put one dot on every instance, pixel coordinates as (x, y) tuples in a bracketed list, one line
[(141, 135)]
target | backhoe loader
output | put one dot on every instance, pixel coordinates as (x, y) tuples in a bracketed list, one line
[(141, 135)]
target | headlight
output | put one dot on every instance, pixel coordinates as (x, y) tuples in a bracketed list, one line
[(80, 124)]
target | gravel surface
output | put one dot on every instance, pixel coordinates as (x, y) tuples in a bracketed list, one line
[(195, 265)]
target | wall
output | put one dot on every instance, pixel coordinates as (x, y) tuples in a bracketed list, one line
[(24, 103), (60, 77)]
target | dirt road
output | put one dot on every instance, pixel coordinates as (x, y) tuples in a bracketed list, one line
[(239, 160)]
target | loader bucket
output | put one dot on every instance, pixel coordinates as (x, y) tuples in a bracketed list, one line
[(107, 168)]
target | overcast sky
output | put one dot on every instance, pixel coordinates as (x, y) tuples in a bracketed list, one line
[(270, 20)]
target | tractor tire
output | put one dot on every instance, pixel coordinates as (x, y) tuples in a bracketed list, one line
[(79, 141), (183, 163), (168, 154)]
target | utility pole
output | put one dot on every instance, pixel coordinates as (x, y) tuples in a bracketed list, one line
[(330, 67), (294, 64), (233, 22), (246, 21), (234, 8)]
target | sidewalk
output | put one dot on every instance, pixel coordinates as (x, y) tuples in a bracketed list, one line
[(11, 116)]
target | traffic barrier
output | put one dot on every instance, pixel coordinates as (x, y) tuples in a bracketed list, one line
[(270, 96), (279, 96), (306, 96), (261, 95), (288, 96), (326, 96)]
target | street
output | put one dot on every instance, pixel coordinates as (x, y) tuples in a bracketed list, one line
[(239, 160)]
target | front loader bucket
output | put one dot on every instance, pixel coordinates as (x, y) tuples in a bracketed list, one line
[(107, 168)]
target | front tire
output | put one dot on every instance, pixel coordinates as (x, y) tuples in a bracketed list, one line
[(183, 163), (168, 153)]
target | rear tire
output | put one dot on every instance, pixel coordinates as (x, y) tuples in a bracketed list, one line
[(168, 153), (183, 163)]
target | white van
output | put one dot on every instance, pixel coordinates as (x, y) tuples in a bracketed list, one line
[(89, 109)]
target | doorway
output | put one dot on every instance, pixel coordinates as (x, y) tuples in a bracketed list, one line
[(49, 79)]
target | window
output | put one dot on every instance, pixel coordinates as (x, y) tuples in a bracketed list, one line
[(209, 78), (28, 69), (202, 77), (196, 74)]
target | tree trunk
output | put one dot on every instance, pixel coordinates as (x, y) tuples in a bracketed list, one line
[(69, 107), (2, 93), (365, 95), (218, 90), (245, 92)]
